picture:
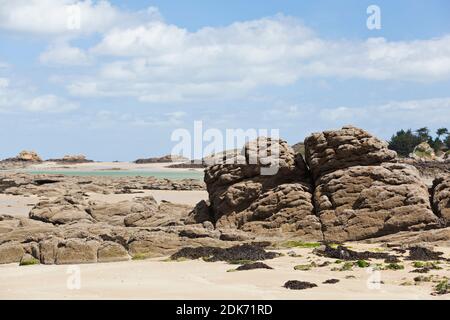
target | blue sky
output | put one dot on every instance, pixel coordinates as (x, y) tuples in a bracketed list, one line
[(117, 87)]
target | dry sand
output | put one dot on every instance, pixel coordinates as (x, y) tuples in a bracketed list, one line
[(158, 279)]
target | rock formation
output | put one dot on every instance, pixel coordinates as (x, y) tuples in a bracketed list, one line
[(72, 159), (339, 149), (423, 151), (349, 187), (441, 198), (25, 156), (163, 159), (244, 194), (359, 192)]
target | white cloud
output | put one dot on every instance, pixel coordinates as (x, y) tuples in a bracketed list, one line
[(431, 111), (158, 62), (20, 99), (63, 54), (55, 17), (4, 83), (141, 56), (49, 103)]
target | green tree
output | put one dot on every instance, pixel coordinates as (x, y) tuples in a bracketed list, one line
[(447, 142), (424, 134), (440, 132), (403, 142)]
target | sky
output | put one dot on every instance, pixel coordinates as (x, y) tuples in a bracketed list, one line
[(114, 79)]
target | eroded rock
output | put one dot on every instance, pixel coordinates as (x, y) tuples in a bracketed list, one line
[(441, 198), (361, 202)]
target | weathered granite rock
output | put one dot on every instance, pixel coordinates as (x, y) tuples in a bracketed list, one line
[(266, 189), (117, 213), (73, 251), (60, 211), (423, 151), (200, 213), (360, 190), (161, 242), (110, 251), (164, 215), (435, 236), (11, 252), (441, 198), (338, 149), (60, 185), (368, 201)]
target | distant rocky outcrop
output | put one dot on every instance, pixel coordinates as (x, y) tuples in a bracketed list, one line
[(72, 159), (423, 151), (299, 148), (163, 159), (25, 156), (216, 158)]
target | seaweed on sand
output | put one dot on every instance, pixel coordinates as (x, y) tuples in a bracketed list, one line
[(344, 253), (298, 285), (424, 254), (212, 254), (251, 266)]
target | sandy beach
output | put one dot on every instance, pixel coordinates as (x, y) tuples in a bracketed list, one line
[(185, 280), (161, 278)]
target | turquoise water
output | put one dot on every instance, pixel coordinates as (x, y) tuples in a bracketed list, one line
[(125, 173)]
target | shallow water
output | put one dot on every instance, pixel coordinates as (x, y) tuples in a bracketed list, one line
[(126, 173)]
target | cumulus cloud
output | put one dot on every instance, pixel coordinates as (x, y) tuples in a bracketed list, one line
[(64, 54), (55, 17), (139, 55), (49, 103), (389, 114), (19, 99), (159, 62)]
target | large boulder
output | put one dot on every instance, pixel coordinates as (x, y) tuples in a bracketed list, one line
[(11, 252), (56, 250), (61, 210), (117, 213), (423, 151), (441, 198), (361, 202), (338, 149), (111, 251), (265, 189), (360, 190)]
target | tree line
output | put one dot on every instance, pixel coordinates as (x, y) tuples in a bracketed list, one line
[(404, 141)]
